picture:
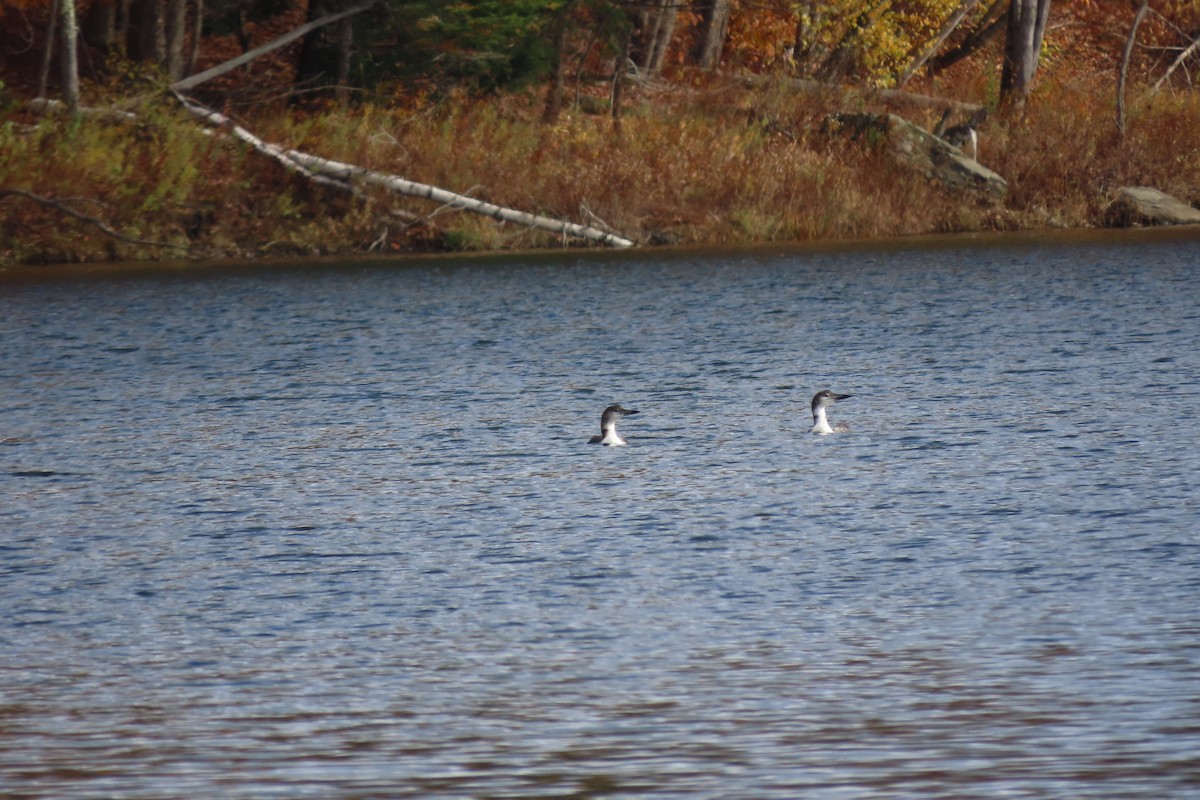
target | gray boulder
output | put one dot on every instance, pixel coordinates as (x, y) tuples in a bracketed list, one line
[(1141, 205), (910, 144)]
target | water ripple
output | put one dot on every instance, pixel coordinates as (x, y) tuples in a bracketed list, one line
[(337, 532)]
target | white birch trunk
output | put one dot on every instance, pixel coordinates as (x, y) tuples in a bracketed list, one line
[(342, 176), (70, 55)]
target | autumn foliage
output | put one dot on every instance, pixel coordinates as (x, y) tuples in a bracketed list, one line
[(697, 157)]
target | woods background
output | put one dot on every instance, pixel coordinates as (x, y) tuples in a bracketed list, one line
[(580, 108)]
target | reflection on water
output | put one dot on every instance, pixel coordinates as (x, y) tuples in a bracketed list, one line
[(337, 531)]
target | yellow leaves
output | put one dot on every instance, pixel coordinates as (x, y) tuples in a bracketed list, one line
[(880, 35)]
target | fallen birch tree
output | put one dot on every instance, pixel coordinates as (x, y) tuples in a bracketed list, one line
[(349, 173), (347, 177)]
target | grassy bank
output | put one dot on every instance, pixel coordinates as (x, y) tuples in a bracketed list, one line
[(711, 164)]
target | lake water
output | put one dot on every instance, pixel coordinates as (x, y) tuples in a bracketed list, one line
[(336, 531)]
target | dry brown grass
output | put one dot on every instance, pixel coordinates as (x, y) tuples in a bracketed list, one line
[(1064, 159), (713, 164)]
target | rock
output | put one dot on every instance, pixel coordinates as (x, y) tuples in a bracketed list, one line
[(1141, 205), (913, 145)]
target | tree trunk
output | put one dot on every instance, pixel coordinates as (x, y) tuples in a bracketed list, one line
[(194, 47), (48, 54), (147, 37), (70, 55), (245, 58), (657, 30), (645, 26), (619, 79), (345, 48), (1026, 26), (554, 99), (1124, 71), (176, 30), (311, 65), (664, 32), (948, 27), (99, 25), (994, 20), (714, 26)]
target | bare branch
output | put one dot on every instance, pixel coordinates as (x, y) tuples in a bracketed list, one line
[(89, 219), (1195, 45), (987, 30), (1123, 74), (274, 44), (948, 27)]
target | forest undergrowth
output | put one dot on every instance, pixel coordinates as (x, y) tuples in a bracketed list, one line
[(706, 161)]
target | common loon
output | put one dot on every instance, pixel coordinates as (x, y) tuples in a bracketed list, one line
[(820, 401), (608, 425), (962, 135)]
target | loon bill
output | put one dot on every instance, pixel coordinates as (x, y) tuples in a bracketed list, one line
[(608, 425), (821, 400)]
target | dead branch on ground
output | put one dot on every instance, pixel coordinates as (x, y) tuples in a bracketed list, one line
[(345, 177), (60, 206)]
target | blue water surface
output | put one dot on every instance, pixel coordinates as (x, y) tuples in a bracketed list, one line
[(336, 531)]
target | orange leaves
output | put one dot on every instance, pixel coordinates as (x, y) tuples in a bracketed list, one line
[(760, 33)]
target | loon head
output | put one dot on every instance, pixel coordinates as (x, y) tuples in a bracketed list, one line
[(821, 400), (825, 398), (608, 425)]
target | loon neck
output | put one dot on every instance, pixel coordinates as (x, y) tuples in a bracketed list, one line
[(820, 421), (610, 434)]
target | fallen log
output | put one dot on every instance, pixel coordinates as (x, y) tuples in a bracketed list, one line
[(344, 177), (349, 172), (273, 151)]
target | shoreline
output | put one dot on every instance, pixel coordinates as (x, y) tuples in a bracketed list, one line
[(15, 274)]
